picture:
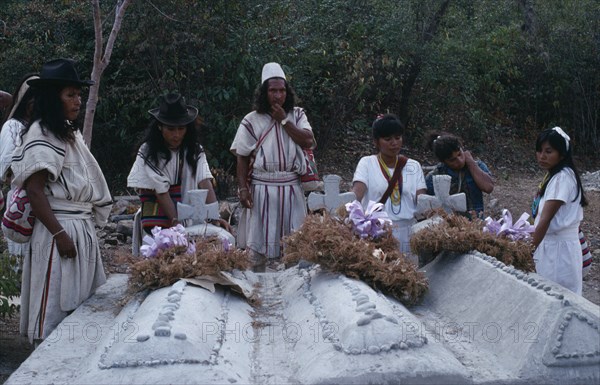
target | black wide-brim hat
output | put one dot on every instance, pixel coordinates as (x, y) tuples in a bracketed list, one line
[(59, 72), (173, 111)]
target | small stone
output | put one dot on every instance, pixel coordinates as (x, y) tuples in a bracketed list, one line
[(162, 332), (180, 336), (362, 321), (376, 315), (366, 306), (374, 350), (159, 324), (143, 337), (403, 346), (361, 297)]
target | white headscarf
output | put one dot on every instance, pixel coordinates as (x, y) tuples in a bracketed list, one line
[(20, 94)]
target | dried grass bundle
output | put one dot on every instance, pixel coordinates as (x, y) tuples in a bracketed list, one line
[(332, 244), (172, 264), (461, 235)]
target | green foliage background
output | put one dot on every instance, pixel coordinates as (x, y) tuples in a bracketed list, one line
[(476, 68)]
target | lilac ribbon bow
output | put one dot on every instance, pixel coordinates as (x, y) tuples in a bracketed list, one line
[(162, 239), (520, 230), (369, 223)]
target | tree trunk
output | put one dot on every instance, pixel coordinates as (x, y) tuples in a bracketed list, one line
[(428, 32), (528, 16), (101, 60)]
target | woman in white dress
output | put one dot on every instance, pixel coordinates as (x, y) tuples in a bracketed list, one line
[(10, 137), (558, 212), (374, 172), (69, 196)]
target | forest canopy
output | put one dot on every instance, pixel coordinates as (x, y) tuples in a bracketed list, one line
[(468, 67)]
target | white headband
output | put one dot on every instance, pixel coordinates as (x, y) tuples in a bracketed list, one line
[(563, 134)]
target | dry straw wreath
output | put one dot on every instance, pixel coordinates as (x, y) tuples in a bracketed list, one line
[(378, 262)]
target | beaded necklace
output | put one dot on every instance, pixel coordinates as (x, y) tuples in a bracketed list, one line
[(536, 201), (396, 196)]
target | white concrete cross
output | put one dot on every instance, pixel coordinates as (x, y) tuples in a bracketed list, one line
[(442, 198), (197, 210), (331, 199)]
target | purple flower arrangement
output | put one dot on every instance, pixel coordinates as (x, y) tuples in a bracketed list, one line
[(163, 239), (520, 230), (370, 222)]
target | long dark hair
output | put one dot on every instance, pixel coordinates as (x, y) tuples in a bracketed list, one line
[(21, 109), (48, 108), (557, 142), (157, 148), (261, 99), (442, 144)]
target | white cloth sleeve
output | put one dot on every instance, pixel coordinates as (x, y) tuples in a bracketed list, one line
[(361, 174), (562, 187), (146, 176), (39, 151)]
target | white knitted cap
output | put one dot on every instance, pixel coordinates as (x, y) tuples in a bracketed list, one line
[(272, 70)]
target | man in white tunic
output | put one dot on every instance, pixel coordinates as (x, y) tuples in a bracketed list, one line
[(270, 160)]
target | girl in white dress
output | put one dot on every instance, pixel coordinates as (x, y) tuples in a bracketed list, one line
[(373, 173), (558, 211)]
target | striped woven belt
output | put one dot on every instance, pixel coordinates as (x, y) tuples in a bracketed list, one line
[(276, 178)]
